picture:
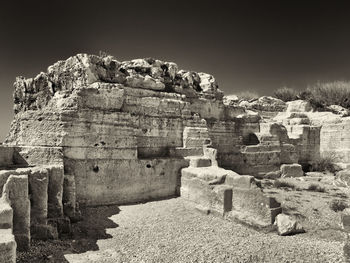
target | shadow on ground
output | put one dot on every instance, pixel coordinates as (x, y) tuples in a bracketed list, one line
[(84, 237)]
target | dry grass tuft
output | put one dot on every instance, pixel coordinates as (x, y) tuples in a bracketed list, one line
[(283, 184), (324, 164), (316, 188)]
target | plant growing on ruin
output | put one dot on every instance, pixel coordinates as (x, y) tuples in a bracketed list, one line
[(283, 184), (324, 164), (316, 188), (338, 205), (286, 94), (329, 93)]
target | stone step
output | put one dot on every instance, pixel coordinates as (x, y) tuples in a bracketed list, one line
[(199, 161), (6, 214), (7, 246)]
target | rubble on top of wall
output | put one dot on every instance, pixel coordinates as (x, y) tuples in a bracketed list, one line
[(83, 70)]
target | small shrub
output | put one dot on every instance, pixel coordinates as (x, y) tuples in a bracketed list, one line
[(338, 205), (330, 93), (316, 188), (247, 95), (283, 184), (324, 164), (286, 94)]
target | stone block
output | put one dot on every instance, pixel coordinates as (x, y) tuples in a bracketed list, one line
[(6, 155), (69, 197), (16, 190), (299, 106), (7, 246), (199, 161), (255, 202), (6, 214), (38, 187), (196, 190), (212, 174), (218, 198), (289, 154), (55, 191), (222, 199), (242, 181), (291, 170), (211, 153)]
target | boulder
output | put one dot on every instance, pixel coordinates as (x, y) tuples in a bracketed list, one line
[(209, 86), (231, 100), (344, 177), (298, 106), (144, 82), (273, 175), (339, 110), (291, 170), (287, 225)]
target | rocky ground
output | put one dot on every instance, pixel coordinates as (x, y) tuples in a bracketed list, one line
[(173, 231)]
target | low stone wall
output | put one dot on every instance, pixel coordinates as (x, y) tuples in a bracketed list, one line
[(124, 181)]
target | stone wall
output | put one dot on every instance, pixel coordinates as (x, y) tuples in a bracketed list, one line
[(335, 141), (118, 127)]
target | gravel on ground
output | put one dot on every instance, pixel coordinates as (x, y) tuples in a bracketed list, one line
[(173, 231)]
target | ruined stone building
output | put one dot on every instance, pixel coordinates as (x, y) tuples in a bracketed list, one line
[(95, 131)]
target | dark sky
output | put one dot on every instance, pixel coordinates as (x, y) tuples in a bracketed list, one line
[(246, 45)]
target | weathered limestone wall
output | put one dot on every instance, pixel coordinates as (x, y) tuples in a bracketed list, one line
[(118, 128), (335, 141), (317, 134)]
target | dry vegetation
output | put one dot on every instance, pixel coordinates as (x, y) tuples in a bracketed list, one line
[(286, 94), (324, 164), (319, 94)]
